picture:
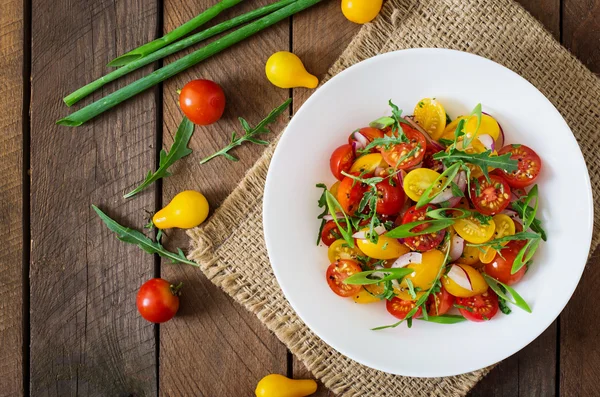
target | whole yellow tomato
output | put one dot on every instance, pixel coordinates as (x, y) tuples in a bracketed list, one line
[(361, 11)]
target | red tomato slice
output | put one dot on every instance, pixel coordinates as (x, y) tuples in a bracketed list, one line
[(430, 162), (339, 271), (395, 153), (501, 266), (399, 308), (369, 133), (424, 242), (490, 197), (529, 169), (439, 303), (479, 307), (390, 198), (341, 160), (350, 193), (331, 232)]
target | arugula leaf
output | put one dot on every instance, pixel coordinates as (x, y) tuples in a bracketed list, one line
[(435, 225), (536, 224), (517, 299), (322, 204), (445, 142), (483, 219), (502, 303), (362, 278), (444, 319), (444, 179), (483, 160), (367, 181), (448, 119), (137, 238), (178, 150), (250, 134)]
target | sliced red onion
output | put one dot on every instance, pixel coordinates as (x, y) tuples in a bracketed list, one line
[(487, 141), (512, 214), (446, 195), (460, 277), (362, 234), (501, 138), (360, 138), (457, 246), (338, 215), (453, 202), (407, 259), (417, 127), (461, 180), (378, 274)]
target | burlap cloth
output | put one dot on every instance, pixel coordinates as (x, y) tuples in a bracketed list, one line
[(497, 29)]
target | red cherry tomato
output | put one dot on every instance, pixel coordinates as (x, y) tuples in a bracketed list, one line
[(500, 268), (479, 307), (430, 162), (396, 153), (439, 303), (390, 197), (202, 101), (490, 197), (369, 133), (341, 160), (424, 242), (529, 169), (331, 232), (339, 271), (350, 193), (399, 308), (158, 300)]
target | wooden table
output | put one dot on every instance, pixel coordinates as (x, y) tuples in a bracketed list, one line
[(68, 322)]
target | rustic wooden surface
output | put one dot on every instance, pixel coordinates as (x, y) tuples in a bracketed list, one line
[(78, 309)]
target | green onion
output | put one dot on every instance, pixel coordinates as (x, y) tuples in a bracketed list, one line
[(362, 278), (444, 319), (174, 35), (433, 226), (517, 299), (86, 90), (89, 112)]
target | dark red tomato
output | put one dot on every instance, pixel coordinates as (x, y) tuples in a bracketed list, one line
[(430, 162), (158, 300), (518, 227), (341, 160), (490, 197), (369, 133), (529, 169), (202, 101), (500, 268), (424, 242), (395, 155), (479, 307), (390, 198), (399, 308), (439, 303), (349, 194), (339, 271), (331, 232)]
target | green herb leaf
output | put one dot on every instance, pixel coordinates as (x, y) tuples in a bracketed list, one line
[(444, 179), (178, 150), (363, 278), (467, 308), (502, 303), (137, 238), (469, 138), (333, 206), (448, 213), (367, 181), (536, 224), (445, 142), (481, 218), (444, 319), (517, 299), (456, 192), (525, 254), (397, 116), (499, 241), (529, 216), (411, 288), (483, 160), (382, 122), (403, 231)]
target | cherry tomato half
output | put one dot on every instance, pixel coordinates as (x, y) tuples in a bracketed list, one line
[(341, 160), (424, 242), (331, 232), (339, 271), (479, 307), (202, 101), (430, 162), (490, 197), (158, 300), (500, 268), (529, 169), (350, 193), (399, 308), (369, 133), (439, 303), (394, 156), (390, 197)]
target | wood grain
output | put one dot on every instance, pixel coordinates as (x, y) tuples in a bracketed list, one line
[(214, 347), (581, 31), (11, 197), (86, 335)]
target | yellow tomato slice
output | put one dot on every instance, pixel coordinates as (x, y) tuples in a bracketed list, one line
[(417, 181), (505, 226), (489, 126), (473, 231), (431, 116), (470, 256), (451, 128), (423, 276), (477, 283), (364, 297), (367, 163), (340, 250), (487, 254), (386, 248), (334, 188)]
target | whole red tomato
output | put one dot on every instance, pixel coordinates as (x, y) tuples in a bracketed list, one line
[(158, 300), (202, 101)]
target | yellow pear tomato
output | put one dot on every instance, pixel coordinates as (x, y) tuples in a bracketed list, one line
[(368, 163), (477, 283), (286, 70), (186, 210), (386, 248), (275, 385), (431, 116), (361, 11)]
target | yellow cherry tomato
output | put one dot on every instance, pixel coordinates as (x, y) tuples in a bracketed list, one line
[(505, 226), (386, 248), (286, 70), (473, 231), (361, 11), (469, 256), (334, 188), (477, 283), (431, 116), (188, 209), (417, 181), (339, 249), (423, 276), (487, 254), (364, 297), (275, 385), (451, 129), (368, 163), (489, 126)]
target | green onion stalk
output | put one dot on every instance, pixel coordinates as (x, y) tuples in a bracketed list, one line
[(175, 34), (88, 89), (100, 106)]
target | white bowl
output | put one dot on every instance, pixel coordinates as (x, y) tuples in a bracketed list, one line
[(351, 100)]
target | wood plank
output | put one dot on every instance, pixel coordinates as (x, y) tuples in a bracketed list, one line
[(86, 335), (581, 31), (545, 11), (11, 197), (214, 347)]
